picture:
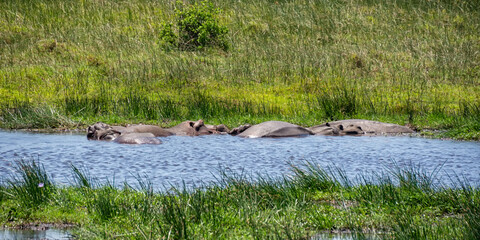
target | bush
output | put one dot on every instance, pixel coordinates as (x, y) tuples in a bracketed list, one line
[(198, 27)]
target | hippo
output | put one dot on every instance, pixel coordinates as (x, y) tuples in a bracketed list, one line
[(197, 128), (275, 129), (133, 134), (155, 130), (218, 129), (137, 138), (359, 127), (103, 131), (239, 129)]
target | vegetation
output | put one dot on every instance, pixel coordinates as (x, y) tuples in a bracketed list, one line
[(401, 203), (77, 62), (198, 27)]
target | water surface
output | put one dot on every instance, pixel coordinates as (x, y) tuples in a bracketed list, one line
[(196, 159), (14, 234)]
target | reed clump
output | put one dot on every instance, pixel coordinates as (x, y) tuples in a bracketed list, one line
[(32, 187)]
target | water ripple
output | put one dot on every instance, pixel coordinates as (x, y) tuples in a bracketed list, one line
[(194, 159)]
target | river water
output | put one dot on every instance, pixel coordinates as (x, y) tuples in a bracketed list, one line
[(198, 159)]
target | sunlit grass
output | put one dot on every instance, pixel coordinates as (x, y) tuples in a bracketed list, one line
[(304, 62), (400, 203)]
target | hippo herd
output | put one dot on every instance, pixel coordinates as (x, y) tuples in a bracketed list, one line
[(147, 134)]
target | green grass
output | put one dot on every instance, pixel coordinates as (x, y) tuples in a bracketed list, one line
[(306, 62), (403, 203)]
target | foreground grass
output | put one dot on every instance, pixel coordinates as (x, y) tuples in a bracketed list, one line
[(65, 63), (403, 203)]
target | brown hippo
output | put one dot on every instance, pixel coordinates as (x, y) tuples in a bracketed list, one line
[(103, 131), (275, 129), (359, 127), (197, 128), (239, 130), (134, 134), (220, 129)]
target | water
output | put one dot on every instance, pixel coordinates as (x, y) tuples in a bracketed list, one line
[(197, 159), (13, 234)]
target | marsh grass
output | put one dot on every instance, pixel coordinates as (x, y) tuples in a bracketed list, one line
[(32, 186), (304, 62), (3, 193), (26, 116), (401, 204), (82, 178)]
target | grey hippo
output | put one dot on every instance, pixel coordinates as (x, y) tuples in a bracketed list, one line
[(359, 127), (137, 138), (275, 129), (134, 134)]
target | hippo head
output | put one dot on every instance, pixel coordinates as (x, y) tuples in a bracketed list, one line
[(240, 129), (101, 131), (197, 125), (327, 131), (351, 129), (222, 128), (199, 128)]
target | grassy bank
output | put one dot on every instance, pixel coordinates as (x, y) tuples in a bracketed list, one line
[(401, 203), (65, 63)]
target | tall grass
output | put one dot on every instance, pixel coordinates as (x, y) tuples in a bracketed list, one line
[(32, 186), (26, 116), (401, 204), (304, 62)]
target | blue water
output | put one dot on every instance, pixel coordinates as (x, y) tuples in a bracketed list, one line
[(13, 234), (197, 159)]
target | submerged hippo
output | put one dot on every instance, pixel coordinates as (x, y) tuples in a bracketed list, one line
[(359, 127), (135, 134), (275, 129), (240, 129), (137, 138), (197, 128)]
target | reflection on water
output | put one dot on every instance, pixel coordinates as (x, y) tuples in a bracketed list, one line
[(194, 159), (14, 234)]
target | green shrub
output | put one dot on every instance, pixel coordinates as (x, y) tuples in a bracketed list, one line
[(198, 27), (167, 34)]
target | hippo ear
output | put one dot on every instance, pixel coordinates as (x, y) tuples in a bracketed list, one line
[(340, 127), (327, 124), (191, 123)]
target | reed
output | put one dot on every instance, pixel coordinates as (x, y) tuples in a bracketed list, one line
[(32, 186), (3, 193), (26, 116), (82, 178)]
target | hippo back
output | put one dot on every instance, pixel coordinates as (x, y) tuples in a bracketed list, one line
[(137, 138), (155, 130), (275, 129), (374, 127)]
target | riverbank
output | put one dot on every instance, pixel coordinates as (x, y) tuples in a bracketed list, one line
[(306, 62), (49, 121), (400, 203)]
